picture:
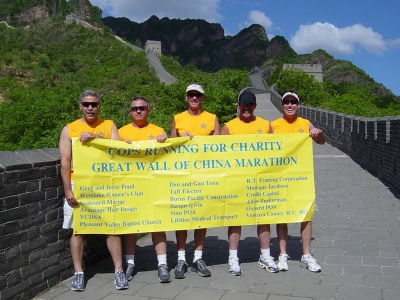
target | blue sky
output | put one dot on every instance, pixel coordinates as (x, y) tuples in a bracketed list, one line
[(367, 32)]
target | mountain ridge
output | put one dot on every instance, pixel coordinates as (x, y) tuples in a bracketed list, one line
[(195, 41)]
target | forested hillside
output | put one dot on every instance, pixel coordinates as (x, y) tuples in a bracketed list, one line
[(44, 68)]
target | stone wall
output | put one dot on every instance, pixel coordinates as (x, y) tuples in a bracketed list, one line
[(373, 143), (34, 250)]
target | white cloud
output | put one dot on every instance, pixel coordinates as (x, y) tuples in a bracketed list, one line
[(258, 17), (338, 40), (394, 43), (140, 11)]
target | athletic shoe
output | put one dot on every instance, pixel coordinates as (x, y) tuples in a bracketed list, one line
[(234, 267), (120, 280), (78, 282), (200, 267), (130, 270), (282, 264), (180, 269), (163, 274), (309, 262), (268, 264)]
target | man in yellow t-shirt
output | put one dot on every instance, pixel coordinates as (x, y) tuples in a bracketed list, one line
[(291, 123), (193, 122), (88, 127), (141, 129), (248, 123)]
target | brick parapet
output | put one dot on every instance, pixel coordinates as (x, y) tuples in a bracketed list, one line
[(34, 249)]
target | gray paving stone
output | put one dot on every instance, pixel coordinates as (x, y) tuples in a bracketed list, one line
[(361, 270), (390, 294), (379, 281), (344, 260), (315, 291), (391, 271), (357, 293), (200, 294), (277, 288), (241, 296), (380, 261), (341, 280), (277, 297), (162, 291)]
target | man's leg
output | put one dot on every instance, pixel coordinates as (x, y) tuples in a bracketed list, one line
[(234, 233), (198, 264), (129, 246), (77, 245), (266, 261), (307, 261), (114, 245), (160, 246), (306, 232), (282, 233), (181, 265), (181, 236)]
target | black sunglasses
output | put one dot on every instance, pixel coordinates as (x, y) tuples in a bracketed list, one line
[(293, 102), (136, 108), (246, 104), (87, 104), (191, 95)]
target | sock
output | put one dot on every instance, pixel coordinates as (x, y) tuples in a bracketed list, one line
[(265, 252), (197, 255), (181, 255), (130, 259), (78, 273), (162, 259), (233, 253)]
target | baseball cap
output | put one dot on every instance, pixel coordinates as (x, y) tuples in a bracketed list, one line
[(247, 97), (195, 87), (290, 94)]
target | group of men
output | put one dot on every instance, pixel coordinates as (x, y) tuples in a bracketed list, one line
[(192, 122)]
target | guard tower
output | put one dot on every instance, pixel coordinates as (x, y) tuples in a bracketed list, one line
[(315, 69), (154, 46)]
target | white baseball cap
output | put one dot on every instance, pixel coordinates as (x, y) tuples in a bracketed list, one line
[(290, 94), (195, 87)]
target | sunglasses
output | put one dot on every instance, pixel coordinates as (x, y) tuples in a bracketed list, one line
[(87, 104), (246, 104), (191, 95), (293, 102), (136, 108)]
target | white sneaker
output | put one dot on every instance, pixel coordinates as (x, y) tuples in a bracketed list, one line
[(309, 262), (268, 264), (282, 264), (234, 267)]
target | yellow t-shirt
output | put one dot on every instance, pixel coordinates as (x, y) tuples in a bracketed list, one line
[(139, 134), (102, 128), (200, 125), (299, 126), (258, 126)]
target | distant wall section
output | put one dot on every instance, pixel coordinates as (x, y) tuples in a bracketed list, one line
[(311, 69)]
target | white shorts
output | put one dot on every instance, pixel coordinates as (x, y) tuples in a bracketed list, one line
[(68, 212)]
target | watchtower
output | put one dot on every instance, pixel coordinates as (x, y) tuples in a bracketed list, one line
[(314, 69), (154, 46)]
